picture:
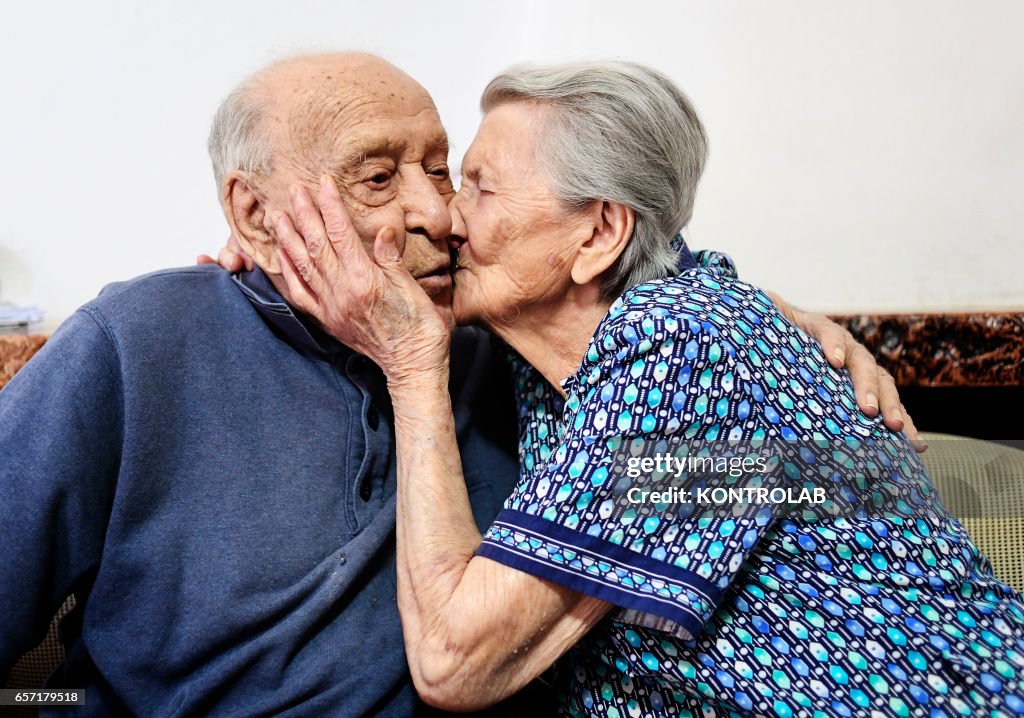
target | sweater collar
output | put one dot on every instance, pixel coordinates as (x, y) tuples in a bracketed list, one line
[(296, 328)]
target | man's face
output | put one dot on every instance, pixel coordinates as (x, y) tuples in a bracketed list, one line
[(377, 133)]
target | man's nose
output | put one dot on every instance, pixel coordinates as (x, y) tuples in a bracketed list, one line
[(426, 211)]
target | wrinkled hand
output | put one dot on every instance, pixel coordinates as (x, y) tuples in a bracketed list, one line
[(372, 305), (873, 386), (230, 257)]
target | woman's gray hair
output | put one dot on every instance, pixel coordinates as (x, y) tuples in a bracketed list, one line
[(238, 138), (619, 132)]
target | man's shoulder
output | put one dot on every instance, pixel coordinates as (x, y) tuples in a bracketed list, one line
[(186, 295), (164, 284)]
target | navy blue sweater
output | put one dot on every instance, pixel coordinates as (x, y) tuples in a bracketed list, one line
[(215, 481)]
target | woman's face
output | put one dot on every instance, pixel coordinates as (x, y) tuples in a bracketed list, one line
[(516, 239)]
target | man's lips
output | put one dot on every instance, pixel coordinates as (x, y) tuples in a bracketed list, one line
[(436, 281)]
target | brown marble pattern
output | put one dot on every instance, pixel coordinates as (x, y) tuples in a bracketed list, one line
[(15, 350), (940, 350), (943, 350)]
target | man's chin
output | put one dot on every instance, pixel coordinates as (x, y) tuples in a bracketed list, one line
[(445, 310), (441, 296), (453, 311)]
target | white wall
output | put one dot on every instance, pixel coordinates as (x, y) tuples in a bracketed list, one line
[(865, 155)]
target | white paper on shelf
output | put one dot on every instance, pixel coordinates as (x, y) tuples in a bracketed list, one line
[(12, 315)]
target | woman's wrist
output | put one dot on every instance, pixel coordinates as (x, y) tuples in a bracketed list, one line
[(419, 382)]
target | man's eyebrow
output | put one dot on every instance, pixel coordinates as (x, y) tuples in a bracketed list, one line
[(358, 152), (438, 142)]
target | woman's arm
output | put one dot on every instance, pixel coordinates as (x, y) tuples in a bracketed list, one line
[(475, 630)]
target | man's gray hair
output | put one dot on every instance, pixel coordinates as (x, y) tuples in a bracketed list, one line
[(619, 132), (238, 138)]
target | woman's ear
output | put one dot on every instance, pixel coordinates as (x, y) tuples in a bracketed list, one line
[(613, 228), (246, 212)]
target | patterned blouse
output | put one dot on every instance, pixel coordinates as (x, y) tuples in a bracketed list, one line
[(821, 577)]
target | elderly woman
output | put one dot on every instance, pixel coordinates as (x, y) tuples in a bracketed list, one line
[(572, 191)]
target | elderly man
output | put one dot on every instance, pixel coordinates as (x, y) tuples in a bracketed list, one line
[(213, 476)]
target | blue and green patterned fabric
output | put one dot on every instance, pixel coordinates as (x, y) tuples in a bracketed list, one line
[(885, 608)]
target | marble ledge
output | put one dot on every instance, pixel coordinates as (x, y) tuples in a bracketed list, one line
[(973, 349)]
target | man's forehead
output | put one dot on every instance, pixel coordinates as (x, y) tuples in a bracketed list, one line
[(322, 101), (340, 74), (365, 122)]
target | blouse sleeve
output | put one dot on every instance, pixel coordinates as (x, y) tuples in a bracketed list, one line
[(597, 518)]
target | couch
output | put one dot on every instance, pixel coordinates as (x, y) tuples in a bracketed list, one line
[(980, 481)]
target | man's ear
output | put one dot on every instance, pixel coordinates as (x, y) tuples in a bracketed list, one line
[(246, 212), (613, 229)]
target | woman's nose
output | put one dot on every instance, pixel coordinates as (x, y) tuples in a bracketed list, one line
[(458, 231)]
